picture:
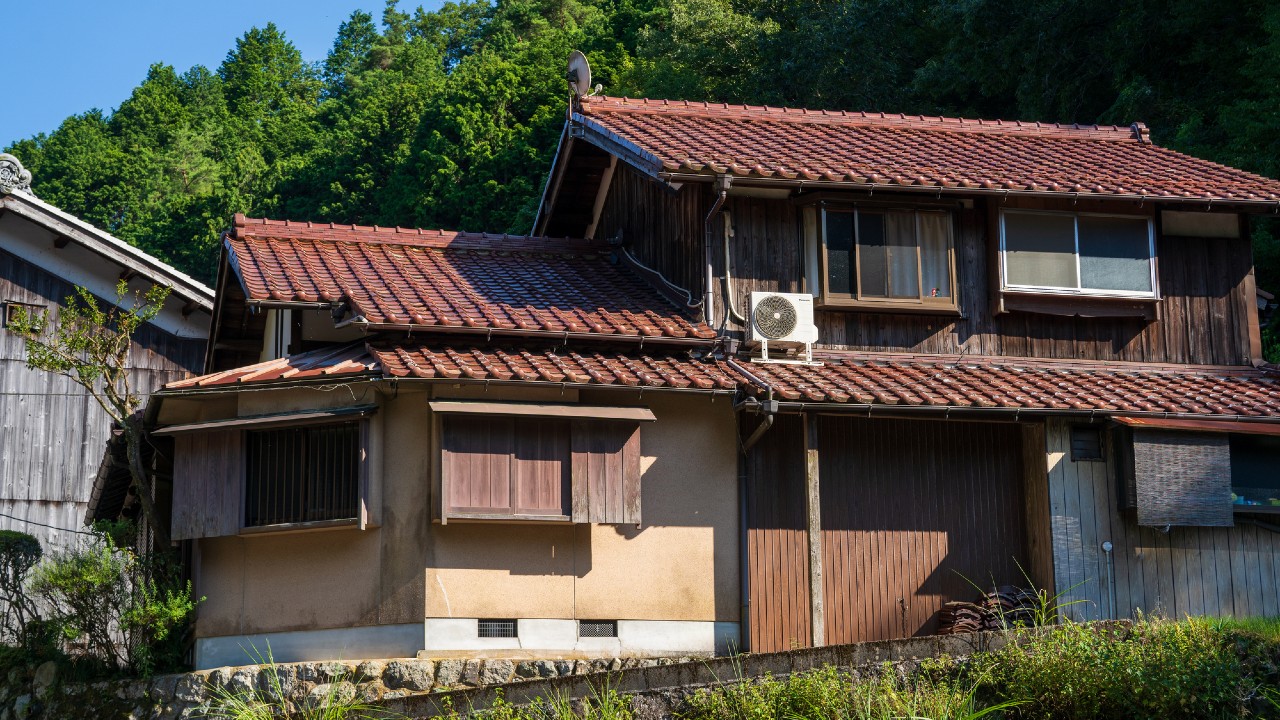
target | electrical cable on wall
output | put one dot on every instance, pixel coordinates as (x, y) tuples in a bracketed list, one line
[(51, 527)]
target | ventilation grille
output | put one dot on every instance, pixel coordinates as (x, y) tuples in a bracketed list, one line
[(1086, 443), (496, 629), (775, 317), (597, 628)]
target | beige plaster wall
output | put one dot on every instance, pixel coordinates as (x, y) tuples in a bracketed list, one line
[(682, 564), (270, 583)]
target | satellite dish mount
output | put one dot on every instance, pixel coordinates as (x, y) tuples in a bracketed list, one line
[(579, 75)]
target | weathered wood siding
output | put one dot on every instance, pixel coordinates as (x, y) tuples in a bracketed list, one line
[(1185, 571), (914, 515), (777, 546), (663, 228), (52, 434), (1204, 316)]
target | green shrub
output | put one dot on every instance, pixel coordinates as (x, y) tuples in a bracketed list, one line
[(19, 616), (128, 610), (1156, 669)]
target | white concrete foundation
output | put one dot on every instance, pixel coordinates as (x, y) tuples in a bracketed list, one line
[(458, 637), (559, 639)]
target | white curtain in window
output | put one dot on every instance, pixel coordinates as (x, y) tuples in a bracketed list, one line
[(904, 261), (935, 243), (1040, 250)]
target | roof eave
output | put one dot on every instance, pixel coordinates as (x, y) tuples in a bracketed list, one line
[(1009, 413), (110, 247), (939, 190)]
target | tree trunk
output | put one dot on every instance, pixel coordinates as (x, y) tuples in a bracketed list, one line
[(133, 435)]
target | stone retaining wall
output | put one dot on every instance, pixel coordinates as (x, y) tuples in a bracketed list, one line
[(418, 688)]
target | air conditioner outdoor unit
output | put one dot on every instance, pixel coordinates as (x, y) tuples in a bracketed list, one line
[(783, 320)]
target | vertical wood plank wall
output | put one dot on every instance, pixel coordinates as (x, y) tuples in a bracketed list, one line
[(777, 545), (52, 434), (1204, 315), (914, 515), (1186, 571)]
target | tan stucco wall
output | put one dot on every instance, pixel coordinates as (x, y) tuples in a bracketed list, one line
[(267, 583), (682, 564)]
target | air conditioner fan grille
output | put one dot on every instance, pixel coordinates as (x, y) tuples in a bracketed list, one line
[(775, 317)]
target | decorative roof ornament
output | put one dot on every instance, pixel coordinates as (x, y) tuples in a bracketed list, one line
[(14, 177)]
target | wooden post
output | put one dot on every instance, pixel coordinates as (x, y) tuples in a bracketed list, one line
[(813, 513)]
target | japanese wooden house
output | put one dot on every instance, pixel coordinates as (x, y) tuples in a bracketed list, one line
[(53, 435), (1034, 359)]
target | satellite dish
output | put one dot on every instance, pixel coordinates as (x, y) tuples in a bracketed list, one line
[(579, 74)]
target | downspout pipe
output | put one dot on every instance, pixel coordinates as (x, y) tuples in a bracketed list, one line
[(709, 282)]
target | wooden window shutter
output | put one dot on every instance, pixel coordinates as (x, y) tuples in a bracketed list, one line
[(208, 472), (504, 466), (1182, 479), (606, 472), (476, 464)]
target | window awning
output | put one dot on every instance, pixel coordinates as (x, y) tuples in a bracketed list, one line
[(1211, 426), (309, 417), (594, 412)]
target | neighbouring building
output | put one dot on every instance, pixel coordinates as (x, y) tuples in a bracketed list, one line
[(804, 377), (53, 435)]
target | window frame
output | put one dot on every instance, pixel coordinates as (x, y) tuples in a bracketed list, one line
[(361, 518), (213, 504), (1080, 291), (32, 309), (856, 300)]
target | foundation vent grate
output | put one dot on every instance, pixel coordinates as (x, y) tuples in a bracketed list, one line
[(597, 628), (496, 628)]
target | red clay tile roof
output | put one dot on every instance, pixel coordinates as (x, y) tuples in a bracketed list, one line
[(440, 279), (443, 360), (877, 149), (1029, 386), (1040, 387)]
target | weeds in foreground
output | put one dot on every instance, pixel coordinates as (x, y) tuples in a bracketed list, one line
[(1157, 669), (1264, 628), (832, 694), (337, 699), (605, 703)]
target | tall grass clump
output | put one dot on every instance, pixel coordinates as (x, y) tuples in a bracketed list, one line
[(831, 694), (337, 700), (1156, 669)]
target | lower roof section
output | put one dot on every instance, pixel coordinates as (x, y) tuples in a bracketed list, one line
[(1026, 384), (520, 363), (842, 381)]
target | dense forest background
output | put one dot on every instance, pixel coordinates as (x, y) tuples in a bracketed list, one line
[(450, 118)]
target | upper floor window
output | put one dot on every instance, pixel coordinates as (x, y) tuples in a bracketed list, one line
[(885, 258), (1078, 254)]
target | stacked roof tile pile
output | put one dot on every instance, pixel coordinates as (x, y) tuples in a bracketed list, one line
[(880, 149)]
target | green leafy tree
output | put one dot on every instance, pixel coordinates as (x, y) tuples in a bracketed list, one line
[(89, 342)]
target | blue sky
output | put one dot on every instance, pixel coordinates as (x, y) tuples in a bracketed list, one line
[(65, 57)]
